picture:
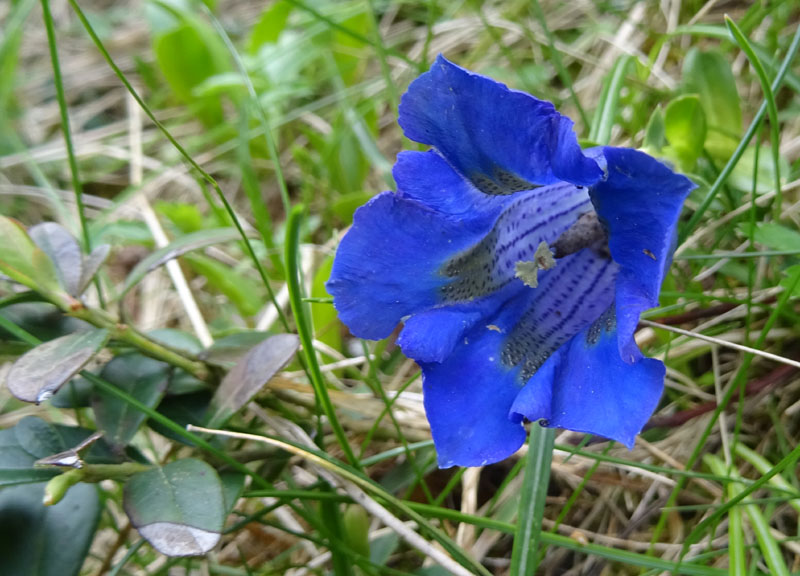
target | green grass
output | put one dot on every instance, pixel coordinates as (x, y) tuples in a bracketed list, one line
[(262, 127)]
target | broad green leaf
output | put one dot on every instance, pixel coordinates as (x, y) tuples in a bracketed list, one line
[(143, 378), (228, 350), (327, 327), (654, 137), (38, 540), (243, 292), (24, 262), (178, 247), (39, 373), (33, 439), (183, 409), (64, 252), (187, 217), (269, 27), (179, 509), (709, 75), (777, 236), (91, 264), (250, 375), (792, 272), (742, 176), (685, 130), (232, 487)]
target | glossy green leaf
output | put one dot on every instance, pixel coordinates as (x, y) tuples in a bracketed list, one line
[(685, 130), (38, 374), (38, 540), (179, 509), (709, 75), (250, 375), (143, 378)]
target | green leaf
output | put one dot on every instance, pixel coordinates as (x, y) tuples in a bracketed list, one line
[(179, 509), (33, 439), (37, 540), (685, 130), (708, 74), (187, 217), (63, 250), (790, 282), (229, 349), (178, 247), (39, 373), (327, 328), (654, 136), (143, 378), (250, 375), (742, 176), (24, 262), (243, 292), (777, 237), (269, 27)]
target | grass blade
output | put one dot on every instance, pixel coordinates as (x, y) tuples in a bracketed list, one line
[(525, 554)]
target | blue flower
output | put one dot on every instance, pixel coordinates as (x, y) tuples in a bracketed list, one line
[(519, 265)]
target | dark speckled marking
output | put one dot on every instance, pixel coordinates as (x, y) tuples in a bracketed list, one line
[(606, 322), (500, 183), (535, 338), (490, 264)]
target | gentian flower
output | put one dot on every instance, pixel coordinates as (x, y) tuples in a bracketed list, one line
[(519, 264)]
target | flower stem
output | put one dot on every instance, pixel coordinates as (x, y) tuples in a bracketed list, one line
[(146, 345), (525, 554)]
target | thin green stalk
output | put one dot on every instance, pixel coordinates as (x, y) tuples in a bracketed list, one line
[(72, 159), (555, 55), (380, 48), (738, 380), (769, 99), (606, 113), (77, 187), (737, 563), (743, 143), (355, 35), (525, 553), (291, 245), (272, 148), (205, 175), (622, 556)]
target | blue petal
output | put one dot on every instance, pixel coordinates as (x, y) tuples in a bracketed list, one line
[(470, 393), (594, 390), (502, 140), (387, 265), (468, 396), (639, 202), (427, 178)]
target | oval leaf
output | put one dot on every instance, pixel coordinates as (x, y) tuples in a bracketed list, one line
[(182, 245), (250, 375), (22, 261), (143, 378), (39, 373), (37, 540), (179, 508), (63, 250), (685, 129), (91, 264)]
